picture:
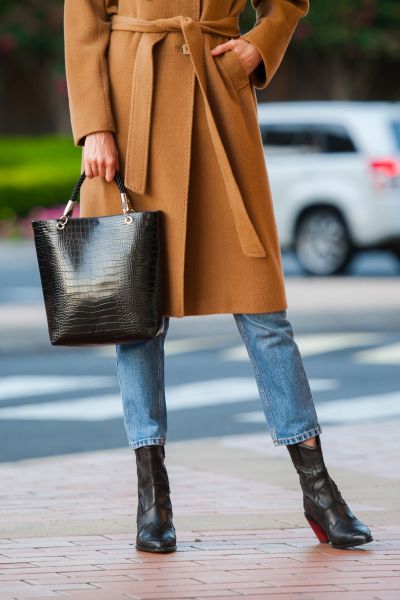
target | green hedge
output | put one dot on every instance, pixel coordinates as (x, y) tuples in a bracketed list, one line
[(36, 171)]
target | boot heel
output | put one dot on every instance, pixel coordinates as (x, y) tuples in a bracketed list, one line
[(317, 529)]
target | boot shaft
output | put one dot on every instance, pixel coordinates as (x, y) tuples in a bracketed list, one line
[(307, 459), (150, 465), (317, 485), (156, 532), (153, 481)]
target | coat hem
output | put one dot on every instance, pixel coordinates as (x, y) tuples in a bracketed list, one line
[(238, 310)]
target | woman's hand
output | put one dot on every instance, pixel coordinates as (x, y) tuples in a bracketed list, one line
[(100, 155), (248, 54)]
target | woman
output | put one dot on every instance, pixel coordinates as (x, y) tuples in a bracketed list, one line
[(164, 90)]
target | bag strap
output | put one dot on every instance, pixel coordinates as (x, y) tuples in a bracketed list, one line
[(69, 209)]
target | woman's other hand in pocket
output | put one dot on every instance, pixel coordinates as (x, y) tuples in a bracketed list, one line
[(248, 54)]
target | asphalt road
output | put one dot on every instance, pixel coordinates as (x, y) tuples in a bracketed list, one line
[(60, 400)]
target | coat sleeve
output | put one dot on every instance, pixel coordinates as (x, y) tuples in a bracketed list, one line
[(275, 23), (87, 30)]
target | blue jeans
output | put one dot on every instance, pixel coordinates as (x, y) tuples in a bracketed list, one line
[(278, 368)]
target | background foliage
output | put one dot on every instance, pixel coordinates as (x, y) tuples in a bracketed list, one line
[(32, 28), (362, 30), (36, 172), (342, 45)]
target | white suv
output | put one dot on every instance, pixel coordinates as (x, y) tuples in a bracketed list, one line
[(334, 169)]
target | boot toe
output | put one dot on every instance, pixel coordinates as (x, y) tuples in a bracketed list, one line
[(360, 535), (156, 545), (360, 539), (156, 540)]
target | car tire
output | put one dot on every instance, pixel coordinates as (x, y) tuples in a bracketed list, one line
[(322, 242), (396, 251)]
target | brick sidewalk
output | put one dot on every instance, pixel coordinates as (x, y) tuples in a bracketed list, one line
[(67, 524)]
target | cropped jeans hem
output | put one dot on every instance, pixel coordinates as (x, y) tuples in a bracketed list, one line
[(148, 442), (300, 437)]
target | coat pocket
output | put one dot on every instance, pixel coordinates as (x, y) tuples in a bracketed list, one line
[(232, 65)]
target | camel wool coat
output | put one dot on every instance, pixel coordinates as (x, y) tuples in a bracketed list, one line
[(186, 128)]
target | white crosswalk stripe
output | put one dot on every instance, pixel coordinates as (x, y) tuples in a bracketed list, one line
[(227, 390), (181, 346), (309, 345), (185, 396), (361, 408), (22, 386), (383, 355), (313, 344)]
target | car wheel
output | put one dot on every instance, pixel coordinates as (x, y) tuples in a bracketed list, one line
[(322, 242), (396, 251)]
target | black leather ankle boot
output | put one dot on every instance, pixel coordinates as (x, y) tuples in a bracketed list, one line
[(324, 508), (155, 530)]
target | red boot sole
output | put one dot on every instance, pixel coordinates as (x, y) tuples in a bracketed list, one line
[(317, 529)]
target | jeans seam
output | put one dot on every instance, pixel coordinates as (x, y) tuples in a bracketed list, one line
[(161, 386), (159, 378), (118, 369), (258, 377)]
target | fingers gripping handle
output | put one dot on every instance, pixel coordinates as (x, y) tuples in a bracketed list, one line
[(69, 209)]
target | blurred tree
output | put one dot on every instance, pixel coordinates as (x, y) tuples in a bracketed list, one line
[(31, 62), (32, 26), (342, 43)]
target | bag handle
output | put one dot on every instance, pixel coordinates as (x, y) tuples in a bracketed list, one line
[(69, 209)]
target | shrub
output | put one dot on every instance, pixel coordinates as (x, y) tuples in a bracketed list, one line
[(36, 172)]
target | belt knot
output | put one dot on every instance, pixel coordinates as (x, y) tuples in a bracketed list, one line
[(141, 103)]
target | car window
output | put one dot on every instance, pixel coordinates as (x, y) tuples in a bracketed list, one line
[(396, 131), (306, 139)]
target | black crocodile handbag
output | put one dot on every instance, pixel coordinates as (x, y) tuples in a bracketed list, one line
[(101, 276)]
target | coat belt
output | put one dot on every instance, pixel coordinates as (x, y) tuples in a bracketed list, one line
[(141, 103)]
